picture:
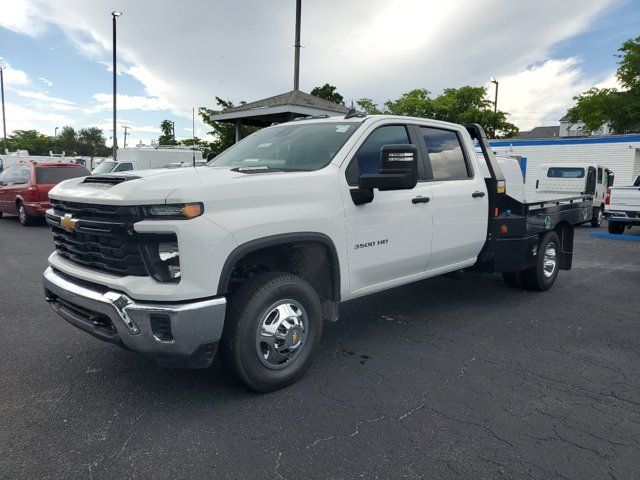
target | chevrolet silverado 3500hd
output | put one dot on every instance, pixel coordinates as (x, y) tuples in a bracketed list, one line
[(252, 252)]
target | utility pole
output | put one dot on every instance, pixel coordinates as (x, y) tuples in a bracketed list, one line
[(126, 128), (296, 59), (115, 15), (55, 138), (4, 121), (495, 108)]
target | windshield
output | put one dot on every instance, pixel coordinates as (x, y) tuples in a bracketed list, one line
[(300, 146), (105, 167)]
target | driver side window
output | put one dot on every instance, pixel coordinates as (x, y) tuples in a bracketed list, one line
[(124, 167), (367, 160)]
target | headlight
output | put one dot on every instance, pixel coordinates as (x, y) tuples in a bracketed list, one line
[(182, 211), (162, 261)]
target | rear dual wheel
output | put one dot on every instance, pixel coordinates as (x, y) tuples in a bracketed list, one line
[(543, 275)]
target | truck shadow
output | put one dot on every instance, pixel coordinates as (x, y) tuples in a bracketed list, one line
[(369, 327)]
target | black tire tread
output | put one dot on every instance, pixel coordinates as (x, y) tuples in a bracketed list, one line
[(530, 277), (616, 228), (247, 293)]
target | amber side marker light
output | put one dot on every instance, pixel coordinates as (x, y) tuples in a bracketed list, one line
[(192, 210), (503, 228)]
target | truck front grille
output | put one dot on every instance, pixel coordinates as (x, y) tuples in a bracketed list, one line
[(101, 238)]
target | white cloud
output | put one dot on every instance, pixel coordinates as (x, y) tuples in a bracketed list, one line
[(12, 76), (18, 16), (128, 102), (542, 93), (46, 81), (23, 118), (44, 97), (370, 48)]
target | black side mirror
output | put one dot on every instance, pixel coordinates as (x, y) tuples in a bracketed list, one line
[(398, 169)]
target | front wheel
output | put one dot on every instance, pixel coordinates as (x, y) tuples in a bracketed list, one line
[(598, 215), (272, 330), (543, 275), (616, 228)]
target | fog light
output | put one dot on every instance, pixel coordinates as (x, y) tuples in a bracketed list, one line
[(163, 261)]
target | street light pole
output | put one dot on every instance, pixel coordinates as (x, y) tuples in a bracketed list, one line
[(55, 138), (115, 130), (4, 121), (126, 129), (495, 108)]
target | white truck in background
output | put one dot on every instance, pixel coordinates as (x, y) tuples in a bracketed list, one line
[(623, 207), (557, 180), (147, 158)]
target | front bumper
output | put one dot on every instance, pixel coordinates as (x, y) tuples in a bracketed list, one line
[(183, 334)]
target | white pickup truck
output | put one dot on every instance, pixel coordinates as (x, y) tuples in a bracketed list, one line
[(622, 207), (253, 252)]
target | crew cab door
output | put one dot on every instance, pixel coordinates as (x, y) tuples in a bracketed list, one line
[(459, 200), (389, 238)]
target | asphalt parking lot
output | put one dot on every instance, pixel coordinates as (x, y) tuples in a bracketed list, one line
[(445, 378)]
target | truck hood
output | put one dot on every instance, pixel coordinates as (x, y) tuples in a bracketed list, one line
[(141, 187)]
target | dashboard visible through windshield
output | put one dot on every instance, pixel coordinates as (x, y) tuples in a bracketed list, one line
[(294, 147)]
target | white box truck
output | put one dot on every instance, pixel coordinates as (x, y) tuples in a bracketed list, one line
[(557, 180), (147, 158)]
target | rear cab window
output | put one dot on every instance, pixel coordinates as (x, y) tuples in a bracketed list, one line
[(53, 175), (565, 172), (446, 154)]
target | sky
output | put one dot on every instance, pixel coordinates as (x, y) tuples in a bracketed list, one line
[(173, 56)]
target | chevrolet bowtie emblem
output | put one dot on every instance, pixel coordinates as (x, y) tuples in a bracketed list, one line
[(68, 223)]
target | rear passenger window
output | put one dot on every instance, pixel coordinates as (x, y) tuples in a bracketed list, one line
[(447, 158), (21, 176), (599, 175), (367, 159)]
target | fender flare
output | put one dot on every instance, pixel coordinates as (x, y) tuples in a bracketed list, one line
[(281, 239)]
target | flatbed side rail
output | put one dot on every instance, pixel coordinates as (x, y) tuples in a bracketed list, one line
[(555, 202)]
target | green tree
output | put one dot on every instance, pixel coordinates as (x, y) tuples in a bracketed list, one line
[(224, 133), (33, 141), (168, 135), (328, 92), (619, 108), (92, 143), (458, 105), (368, 106), (67, 141)]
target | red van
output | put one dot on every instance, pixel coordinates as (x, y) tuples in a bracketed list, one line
[(24, 188)]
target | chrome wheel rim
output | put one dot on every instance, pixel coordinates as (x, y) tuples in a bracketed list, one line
[(22, 214), (281, 334), (549, 260)]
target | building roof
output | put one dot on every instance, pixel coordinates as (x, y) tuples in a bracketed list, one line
[(280, 108), (550, 131), (565, 118)]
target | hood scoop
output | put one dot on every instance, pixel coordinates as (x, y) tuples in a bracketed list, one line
[(107, 181)]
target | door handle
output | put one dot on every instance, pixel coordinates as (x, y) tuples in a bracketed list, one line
[(420, 199), (477, 194)]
